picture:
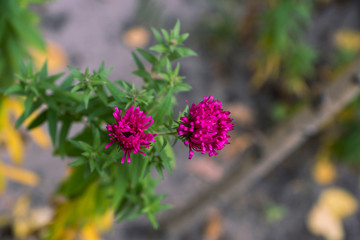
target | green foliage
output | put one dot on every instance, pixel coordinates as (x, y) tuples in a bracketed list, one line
[(17, 34), (88, 98), (282, 52), (345, 147)]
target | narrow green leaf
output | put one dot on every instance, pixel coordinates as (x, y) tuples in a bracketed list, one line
[(161, 48), (153, 221), (138, 61), (43, 72), (52, 124), (166, 35), (116, 92), (148, 56), (13, 89), (67, 82), (65, 127), (176, 29), (86, 98), (157, 35), (163, 109), (120, 184), (23, 116), (185, 52), (78, 162), (28, 105), (40, 119)]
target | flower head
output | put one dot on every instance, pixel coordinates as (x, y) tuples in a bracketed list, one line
[(205, 127), (128, 131)]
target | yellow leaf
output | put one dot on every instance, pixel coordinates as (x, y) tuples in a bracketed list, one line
[(14, 144), (19, 175), (2, 181), (324, 172), (347, 39), (105, 222), (136, 37), (322, 222), (54, 55), (20, 212), (40, 137), (340, 202), (15, 106), (89, 232)]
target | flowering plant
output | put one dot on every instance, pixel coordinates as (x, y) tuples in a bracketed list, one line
[(98, 174)]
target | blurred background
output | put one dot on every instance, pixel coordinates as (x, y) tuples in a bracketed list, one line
[(287, 72)]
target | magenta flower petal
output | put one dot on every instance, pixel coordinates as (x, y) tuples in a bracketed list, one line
[(128, 132), (205, 127)]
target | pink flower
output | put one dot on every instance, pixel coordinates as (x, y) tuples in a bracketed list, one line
[(205, 127), (128, 131)]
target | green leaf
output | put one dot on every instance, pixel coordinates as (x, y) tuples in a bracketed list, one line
[(121, 181), (40, 119), (176, 30), (67, 82), (153, 220), (163, 109), (148, 56), (125, 85), (157, 35), (23, 116), (81, 145), (185, 52), (65, 127), (143, 74), (138, 61), (183, 37), (28, 105), (13, 89), (166, 35), (43, 72), (182, 87), (78, 162), (52, 124), (97, 139), (116, 92), (86, 97), (161, 48)]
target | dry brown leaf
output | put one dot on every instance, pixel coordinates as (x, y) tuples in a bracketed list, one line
[(206, 168), (340, 202), (40, 217), (237, 145), (54, 55), (324, 172), (136, 37), (325, 218), (347, 39), (241, 113), (322, 222), (214, 226)]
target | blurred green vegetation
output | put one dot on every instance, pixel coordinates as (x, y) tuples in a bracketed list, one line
[(17, 34)]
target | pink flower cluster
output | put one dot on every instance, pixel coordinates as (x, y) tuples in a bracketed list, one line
[(128, 131), (204, 129), (206, 126)]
